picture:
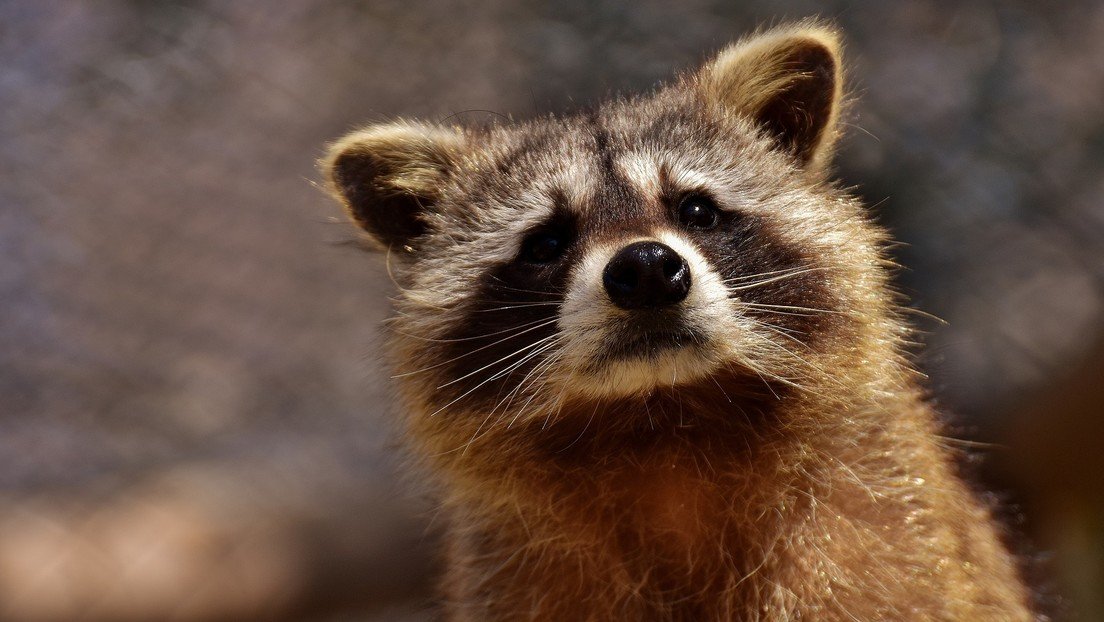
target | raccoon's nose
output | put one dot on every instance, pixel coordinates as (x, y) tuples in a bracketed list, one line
[(646, 275)]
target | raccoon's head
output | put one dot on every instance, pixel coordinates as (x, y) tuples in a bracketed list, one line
[(681, 239)]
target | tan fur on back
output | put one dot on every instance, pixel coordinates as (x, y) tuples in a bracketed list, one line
[(783, 467)]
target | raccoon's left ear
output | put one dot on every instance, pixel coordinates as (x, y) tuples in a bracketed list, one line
[(389, 177), (788, 81)]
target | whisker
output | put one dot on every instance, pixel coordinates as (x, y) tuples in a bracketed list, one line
[(508, 398), (521, 305), (543, 365), (551, 290), (553, 407), (760, 374), (781, 332), (475, 435), (585, 428), (788, 332), (924, 314), (808, 310), (484, 336), (797, 356), (713, 377), (512, 354), (803, 360), (789, 313), (747, 277), (474, 350), (775, 279), (484, 382)]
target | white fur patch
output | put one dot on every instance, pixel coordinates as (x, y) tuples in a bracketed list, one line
[(575, 180), (689, 178), (641, 171)]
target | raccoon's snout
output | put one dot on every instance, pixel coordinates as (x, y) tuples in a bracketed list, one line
[(646, 275)]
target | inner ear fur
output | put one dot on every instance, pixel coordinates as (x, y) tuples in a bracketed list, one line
[(788, 81), (389, 176)]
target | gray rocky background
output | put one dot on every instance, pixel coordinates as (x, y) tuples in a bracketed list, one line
[(194, 420)]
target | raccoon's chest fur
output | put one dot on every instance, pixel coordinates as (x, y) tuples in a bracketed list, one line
[(670, 533)]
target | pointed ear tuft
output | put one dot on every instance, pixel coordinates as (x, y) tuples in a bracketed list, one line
[(788, 81), (389, 176)]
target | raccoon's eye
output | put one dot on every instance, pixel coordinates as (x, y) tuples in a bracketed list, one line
[(543, 246), (698, 212)]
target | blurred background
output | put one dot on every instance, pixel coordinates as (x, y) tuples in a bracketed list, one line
[(194, 420)]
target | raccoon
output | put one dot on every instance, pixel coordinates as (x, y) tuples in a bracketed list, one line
[(651, 352)]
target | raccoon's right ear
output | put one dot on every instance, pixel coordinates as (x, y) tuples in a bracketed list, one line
[(389, 177), (788, 82)]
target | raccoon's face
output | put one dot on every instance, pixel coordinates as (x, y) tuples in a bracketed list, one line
[(683, 238)]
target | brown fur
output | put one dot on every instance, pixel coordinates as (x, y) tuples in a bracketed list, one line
[(778, 464)]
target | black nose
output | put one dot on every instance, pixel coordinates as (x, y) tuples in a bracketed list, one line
[(646, 275)]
